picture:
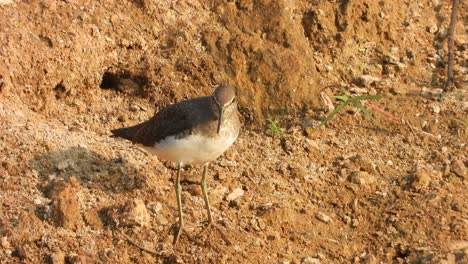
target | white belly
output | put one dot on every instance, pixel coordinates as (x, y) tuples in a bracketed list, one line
[(192, 149)]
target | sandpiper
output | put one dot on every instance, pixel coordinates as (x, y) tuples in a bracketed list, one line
[(190, 132)]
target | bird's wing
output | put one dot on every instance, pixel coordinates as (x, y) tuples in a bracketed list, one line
[(175, 119)]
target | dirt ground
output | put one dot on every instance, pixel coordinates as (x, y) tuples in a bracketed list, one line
[(393, 190)]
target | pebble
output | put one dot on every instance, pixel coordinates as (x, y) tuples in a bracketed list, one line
[(361, 178), (432, 29), (323, 217), (228, 163), (65, 205), (155, 207), (365, 80), (57, 258), (134, 107), (311, 260), (134, 213), (5, 243), (235, 194), (458, 167), (369, 259), (297, 171), (420, 180), (435, 108)]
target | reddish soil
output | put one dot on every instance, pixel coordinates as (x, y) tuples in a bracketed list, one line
[(393, 190)]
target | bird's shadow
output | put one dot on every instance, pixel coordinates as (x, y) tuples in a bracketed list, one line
[(89, 168)]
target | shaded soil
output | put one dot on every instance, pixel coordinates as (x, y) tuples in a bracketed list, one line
[(359, 191)]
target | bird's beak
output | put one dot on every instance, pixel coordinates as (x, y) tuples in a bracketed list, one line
[(220, 118)]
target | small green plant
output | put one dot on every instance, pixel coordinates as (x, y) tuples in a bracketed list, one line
[(350, 100), (363, 69), (361, 40), (273, 128)]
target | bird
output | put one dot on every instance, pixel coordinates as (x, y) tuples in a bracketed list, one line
[(191, 132)]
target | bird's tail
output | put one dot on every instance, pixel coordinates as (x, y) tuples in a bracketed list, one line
[(128, 133)]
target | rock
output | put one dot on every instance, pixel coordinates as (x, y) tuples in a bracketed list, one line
[(5, 243), (93, 220), (323, 217), (20, 253), (228, 163), (361, 178), (311, 260), (77, 259), (365, 80), (432, 29), (235, 194), (134, 107), (369, 259), (155, 207), (134, 213), (65, 206), (363, 162), (458, 167), (435, 108), (57, 258), (28, 229), (420, 180), (297, 171), (358, 90), (5, 2)]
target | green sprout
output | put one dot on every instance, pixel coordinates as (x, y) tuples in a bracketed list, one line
[(353, 100), (274, 128)]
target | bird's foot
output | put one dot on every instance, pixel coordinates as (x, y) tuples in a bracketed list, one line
[(211, 225), (180, 230)]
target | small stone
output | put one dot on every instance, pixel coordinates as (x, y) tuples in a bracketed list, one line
[(20, 253), (369, 259), (364, 163), (458, 167), (63, 165), (134, 107), (5, 2), (432, 29), (65, 205), (398, 90), (361, 178), (57, 258), (77, 259), (228, 163), (420, 180), (297, 171), (435, 108), (311, 260), (155, 207), (358, 90), (5, 243), (161, 220), (235, 194), (134, 213), (122, 118), (365, 80), (323, 217), (93, 220)]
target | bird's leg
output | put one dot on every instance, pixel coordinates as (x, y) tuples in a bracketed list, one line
[(205, 194), (208, 208), (178, 189)]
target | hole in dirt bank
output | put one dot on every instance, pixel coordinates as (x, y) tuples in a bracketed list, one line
[(60, 90), (124, 82)]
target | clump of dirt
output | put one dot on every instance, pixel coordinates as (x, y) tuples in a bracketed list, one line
[(393, 190)]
